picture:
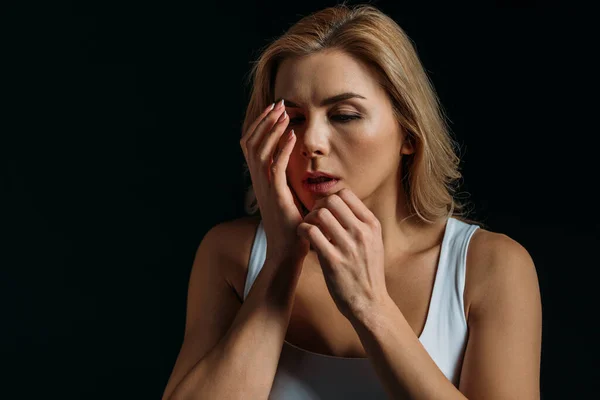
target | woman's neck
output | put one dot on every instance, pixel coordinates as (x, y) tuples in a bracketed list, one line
[(403, 234)]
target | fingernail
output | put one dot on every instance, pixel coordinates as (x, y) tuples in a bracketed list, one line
[(282, 117), (279, 105), (270, 108)]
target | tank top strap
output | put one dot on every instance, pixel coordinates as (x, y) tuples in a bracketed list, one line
[(257, 258), (445, 333)]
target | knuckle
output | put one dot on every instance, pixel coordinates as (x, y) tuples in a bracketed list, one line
[(333, 200), (335, 261), (263, 157), (322, 213), (361, 234), (312, 230), (376, 224), (249, 145)]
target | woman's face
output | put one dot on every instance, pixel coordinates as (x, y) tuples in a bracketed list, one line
[(356, 139)]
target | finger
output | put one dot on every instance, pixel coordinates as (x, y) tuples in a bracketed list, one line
[(283, 138), (340, 210), (280, 162), (330, 227), (357, 207), (246, 135), (254, 124), (317, 239), (267, 148), (266, 125)]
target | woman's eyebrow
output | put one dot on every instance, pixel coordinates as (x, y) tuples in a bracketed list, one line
[(327, 101)]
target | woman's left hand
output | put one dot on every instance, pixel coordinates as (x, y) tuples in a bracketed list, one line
[(346, 236)]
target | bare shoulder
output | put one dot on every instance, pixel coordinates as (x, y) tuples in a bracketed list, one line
[(234, 240), (496, 263), (502, 356)]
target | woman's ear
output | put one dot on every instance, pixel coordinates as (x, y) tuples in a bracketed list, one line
[(407, 146)]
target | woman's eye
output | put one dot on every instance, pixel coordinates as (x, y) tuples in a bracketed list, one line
[(339, 117), (345, 117)]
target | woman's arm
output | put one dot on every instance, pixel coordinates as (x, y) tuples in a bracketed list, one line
[(503, 354), (502, 357), (227, 355)]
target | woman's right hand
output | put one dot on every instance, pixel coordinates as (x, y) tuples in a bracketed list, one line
[(280, 208)]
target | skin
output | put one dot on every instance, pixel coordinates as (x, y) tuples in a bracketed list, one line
[(365, 153), (366, 216), (366, 210)]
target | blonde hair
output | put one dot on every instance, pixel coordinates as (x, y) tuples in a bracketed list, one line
[(430, 175)]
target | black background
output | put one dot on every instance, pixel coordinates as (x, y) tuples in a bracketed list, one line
[(120, 150)]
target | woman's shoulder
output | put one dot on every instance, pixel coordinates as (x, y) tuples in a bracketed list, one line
[(234, 239), (494, 259), (487, 250)]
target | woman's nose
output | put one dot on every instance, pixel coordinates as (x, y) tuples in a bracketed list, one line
[(314, 141)]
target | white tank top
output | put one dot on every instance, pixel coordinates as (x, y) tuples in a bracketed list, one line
[(305, 375)]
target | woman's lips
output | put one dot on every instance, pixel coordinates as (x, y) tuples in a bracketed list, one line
[(321, 187)]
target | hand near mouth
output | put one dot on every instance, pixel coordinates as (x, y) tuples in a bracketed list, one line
[(347, 238)]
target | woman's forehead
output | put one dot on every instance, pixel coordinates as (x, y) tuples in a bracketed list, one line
[(321, 75)]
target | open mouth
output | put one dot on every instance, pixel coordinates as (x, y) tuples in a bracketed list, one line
[(320, 179), (320, 185)]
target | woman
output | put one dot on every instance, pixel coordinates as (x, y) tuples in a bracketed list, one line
[(372, 285)]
